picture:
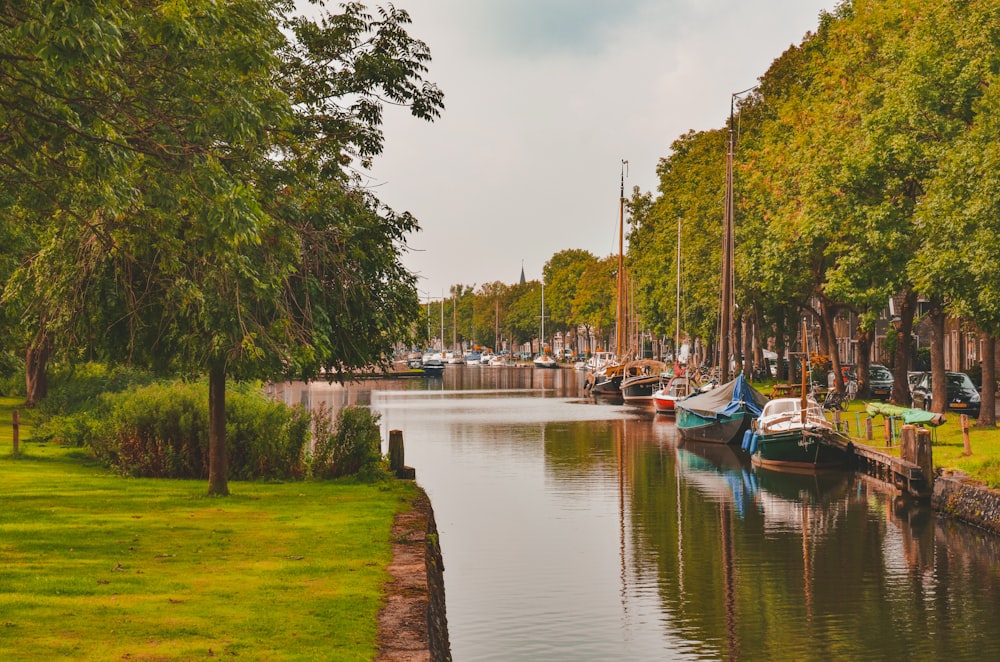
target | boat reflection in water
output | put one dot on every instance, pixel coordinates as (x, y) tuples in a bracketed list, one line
[(576, 530)]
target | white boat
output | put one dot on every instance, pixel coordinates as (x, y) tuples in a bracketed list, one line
[(545, 361), (473, 358), (486, 358)]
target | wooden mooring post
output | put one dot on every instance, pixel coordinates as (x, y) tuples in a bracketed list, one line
[(396, 456), (915, 447), (964, 420)]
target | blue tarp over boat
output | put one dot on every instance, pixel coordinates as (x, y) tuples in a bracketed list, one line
[(722, 414), (726, 400)]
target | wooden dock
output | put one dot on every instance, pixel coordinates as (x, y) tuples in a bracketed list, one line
[(907, 476)]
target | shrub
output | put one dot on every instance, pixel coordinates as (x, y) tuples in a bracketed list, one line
[(161, 431), (11, 375), (354, 448), (79, 388)]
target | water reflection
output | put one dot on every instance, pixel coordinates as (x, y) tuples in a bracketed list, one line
[(575, 531)]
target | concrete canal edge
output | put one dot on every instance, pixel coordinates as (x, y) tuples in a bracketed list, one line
[(954, 496), (413, 624)]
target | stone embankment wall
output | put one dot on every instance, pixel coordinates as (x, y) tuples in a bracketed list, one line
[(967, 502), (413, 626)]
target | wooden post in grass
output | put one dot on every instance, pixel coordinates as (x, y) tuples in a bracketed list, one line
[(396, 461), (869, 433), (964, 419), (17, 429)]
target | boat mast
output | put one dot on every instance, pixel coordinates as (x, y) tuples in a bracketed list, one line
[(620, 306), (726, 310), (728, 248), (677, 319), (454, 322), (541, 344), (805, 370)]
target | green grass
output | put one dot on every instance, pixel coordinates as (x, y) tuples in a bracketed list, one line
[(983, 465), (99, 567)]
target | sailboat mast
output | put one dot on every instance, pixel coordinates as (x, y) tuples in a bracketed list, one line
[(677, 319), (541, 348), (726, 311), (620, 308)]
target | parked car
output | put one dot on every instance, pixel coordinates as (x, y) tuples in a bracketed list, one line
[(962, 394), (879, 381), (913, 378)]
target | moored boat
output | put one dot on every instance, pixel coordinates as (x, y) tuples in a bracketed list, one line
[(665, 399), (722, 414), (640, 379), (794, 434), (544, 360)]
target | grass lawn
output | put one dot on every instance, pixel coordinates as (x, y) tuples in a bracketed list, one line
[(100, 567), (982, 465)]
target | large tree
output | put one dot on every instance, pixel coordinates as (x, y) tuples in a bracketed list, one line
[(214, 223)]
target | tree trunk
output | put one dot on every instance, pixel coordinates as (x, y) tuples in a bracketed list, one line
[(830, 334), (36, 359), (218, 462), (781, 372), (864, 362), (901, 359), (939, 388), (987, 410)]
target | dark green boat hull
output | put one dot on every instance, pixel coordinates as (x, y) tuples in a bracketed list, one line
[(786, 450), (721, 430)]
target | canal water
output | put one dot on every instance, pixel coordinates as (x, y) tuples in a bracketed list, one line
[(574, 530)]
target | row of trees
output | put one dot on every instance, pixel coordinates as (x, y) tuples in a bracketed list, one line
[(866, 168), (178, 188), (579, 294)]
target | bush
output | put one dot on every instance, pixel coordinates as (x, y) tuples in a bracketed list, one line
[(354, 448), (78, 388), (11, 375), (161, 431)]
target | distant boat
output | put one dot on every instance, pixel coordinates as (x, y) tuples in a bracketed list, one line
[(665, 400), (545, 361), (722, 414), (473, 358), (640, 379), (433, 365), (606, 381)]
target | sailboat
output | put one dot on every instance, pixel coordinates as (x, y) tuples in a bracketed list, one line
[(679, 385), (544, 359), (723, 414), (794, 434), (606, 382)]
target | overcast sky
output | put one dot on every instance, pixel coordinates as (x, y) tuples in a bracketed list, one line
[(543, 101)]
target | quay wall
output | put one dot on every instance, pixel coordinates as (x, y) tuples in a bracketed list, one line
[(413, 625), (974, 504)]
